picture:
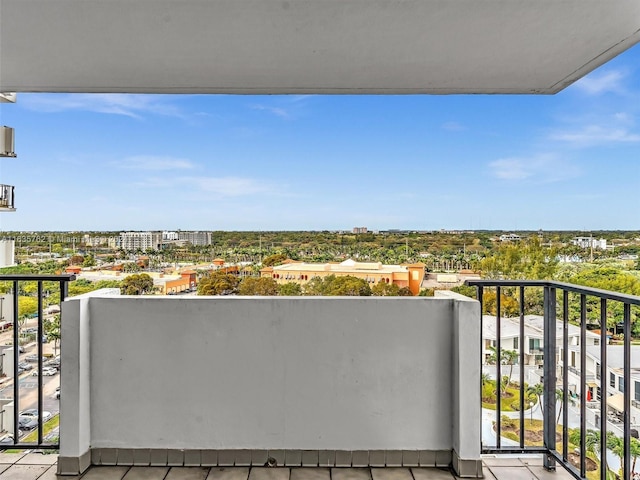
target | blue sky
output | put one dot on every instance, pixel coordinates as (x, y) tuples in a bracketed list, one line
[(120, 162)]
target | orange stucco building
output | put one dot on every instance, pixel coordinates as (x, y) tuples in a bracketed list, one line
[(297, 272)]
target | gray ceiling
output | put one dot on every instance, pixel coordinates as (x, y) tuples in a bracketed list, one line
[(309, 46)]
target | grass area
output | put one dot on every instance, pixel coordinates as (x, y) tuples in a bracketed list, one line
[(48, 426), (533, 437), (510, 401)]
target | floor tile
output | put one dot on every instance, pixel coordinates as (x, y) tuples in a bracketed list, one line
[(105, 473), (269, 473), (228, 473), (10, 458), (542, 474), (431, 473), (512, 473), (38, 459), (391, 473), (310, 474), (350, 474), (51, 474), (24, 472), (486, 473), (502, 461), (187, 473), (146, 473)]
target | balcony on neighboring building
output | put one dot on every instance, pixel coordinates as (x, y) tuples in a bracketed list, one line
[(7, 198)]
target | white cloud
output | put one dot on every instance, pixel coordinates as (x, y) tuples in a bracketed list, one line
[(150, 162), (591, 135), (220, 186), (228, 186), (134, 106), (597, 83), (277, 111), (544, 168), (453, 126)]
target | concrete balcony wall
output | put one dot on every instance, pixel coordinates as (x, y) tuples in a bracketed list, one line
[(217, 374)]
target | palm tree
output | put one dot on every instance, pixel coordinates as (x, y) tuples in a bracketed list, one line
[(485, 378), (616, 445), (591, 444), (559, 398), (537, 390), (507, 357), (635, 452)]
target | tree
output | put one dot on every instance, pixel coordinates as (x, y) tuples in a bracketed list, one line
[(137, 284), (273, 260), (89, 261), (524, 260), (559, 398), (218, 283), (290, 289), (76, 260), (346, 285), (130, 267), (264, 286), (507, 357), (383, 289), (27, 306), (52, 331), (635, 451), (537, 390)]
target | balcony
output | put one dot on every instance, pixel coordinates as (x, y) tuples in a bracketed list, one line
[(301, 382), (7, 198)]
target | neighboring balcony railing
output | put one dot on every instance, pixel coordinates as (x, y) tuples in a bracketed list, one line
[(7, 197), (561, 304), (13, 422)]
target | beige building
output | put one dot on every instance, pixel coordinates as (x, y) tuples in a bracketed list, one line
[(297, 272)]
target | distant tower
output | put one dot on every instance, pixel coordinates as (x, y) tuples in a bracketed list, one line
[(7, 246)]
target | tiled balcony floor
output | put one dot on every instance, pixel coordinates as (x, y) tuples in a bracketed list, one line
[(36, 466)]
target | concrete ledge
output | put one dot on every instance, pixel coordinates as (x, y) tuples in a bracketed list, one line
[(74, 465), (310, 458), (467, 468)]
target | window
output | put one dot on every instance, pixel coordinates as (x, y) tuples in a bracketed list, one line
[(612, 380), (596, 341), (534, 344), (597, 370), (621, 384), (637, 393), (573, 359), (516, 343)]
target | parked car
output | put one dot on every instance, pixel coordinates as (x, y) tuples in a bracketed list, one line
[(25, 366), (53, 364), (33, 412), (46, 372), (25, 422), (7, 439), (57, 394), (31, 358)]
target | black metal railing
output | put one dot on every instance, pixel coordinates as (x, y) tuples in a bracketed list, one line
[(19, 288), (563, 304)]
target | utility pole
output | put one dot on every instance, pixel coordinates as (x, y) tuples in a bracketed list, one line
[(591, 244)]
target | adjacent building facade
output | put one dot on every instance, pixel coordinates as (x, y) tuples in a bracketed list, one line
[(410, 276)]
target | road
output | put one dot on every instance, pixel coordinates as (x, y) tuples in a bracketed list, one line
[(28, 384)]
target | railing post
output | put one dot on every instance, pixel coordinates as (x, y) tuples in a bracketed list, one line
[(549, 384)]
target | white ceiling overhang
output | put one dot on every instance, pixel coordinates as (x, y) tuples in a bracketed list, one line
[(309, 46)]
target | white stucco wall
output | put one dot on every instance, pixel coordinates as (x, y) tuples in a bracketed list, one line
[(269, 372)]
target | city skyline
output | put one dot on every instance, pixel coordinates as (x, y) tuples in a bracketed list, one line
[(98, 162)]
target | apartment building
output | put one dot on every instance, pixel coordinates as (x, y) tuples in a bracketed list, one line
[(410, 276)]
